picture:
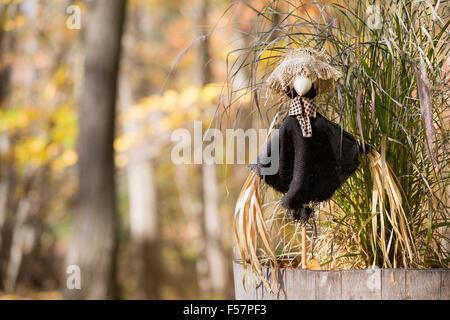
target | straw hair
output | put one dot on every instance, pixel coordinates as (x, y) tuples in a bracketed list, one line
[(304, 62), (250, 226)]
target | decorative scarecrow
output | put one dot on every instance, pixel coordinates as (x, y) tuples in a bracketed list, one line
[(316, 157)]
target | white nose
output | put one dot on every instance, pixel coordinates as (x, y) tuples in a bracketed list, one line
[(302, 85)]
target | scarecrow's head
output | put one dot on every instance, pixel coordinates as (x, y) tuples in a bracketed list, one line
[(304, 72)]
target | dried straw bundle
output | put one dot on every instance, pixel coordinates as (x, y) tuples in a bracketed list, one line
[(384, 183), (304, 62), (249, 226)]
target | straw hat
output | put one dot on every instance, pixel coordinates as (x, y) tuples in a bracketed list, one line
[(304, 62)]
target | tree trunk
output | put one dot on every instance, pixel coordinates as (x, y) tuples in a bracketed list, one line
[(203, 62), (143, 206), (7, 169), (93, 244), (213, 250), (213, 233), (276, 19), (242, 77), (144, 225), (7, 11)]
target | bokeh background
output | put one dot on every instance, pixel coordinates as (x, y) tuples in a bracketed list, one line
[(85, 150), (169, 76)]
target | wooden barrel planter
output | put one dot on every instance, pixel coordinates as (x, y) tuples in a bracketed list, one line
[(367, 284)]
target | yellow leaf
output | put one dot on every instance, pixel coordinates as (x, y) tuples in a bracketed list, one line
[(313, 264)]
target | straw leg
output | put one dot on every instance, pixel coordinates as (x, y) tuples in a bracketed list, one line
[(304, 246)]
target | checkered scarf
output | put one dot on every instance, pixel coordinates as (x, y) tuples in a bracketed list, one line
[(303, 108)]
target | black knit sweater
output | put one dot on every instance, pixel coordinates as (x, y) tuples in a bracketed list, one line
[(310, 169)]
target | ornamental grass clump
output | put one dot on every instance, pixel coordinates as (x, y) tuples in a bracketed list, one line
[(393, 95)]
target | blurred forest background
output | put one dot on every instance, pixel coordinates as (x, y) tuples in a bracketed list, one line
[(86, 116), (154, 239)]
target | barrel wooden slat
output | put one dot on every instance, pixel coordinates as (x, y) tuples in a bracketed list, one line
[(361, 284), (393, 282), (240, 292), (445, 285), (278, 291), (423, 284), (301, 283), (328, 285), (386, 284)]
